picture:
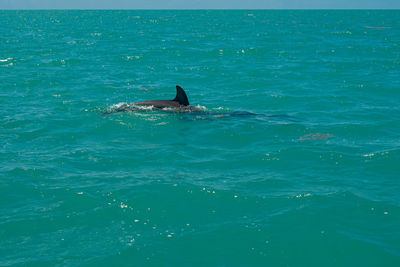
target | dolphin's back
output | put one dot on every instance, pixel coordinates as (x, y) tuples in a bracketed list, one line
[(159, 103), (180, 100)]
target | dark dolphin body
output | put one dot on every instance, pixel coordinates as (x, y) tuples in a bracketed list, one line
[(179, 103)]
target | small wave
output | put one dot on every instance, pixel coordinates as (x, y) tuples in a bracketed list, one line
[(343, 32), (382, 153), (201, 108), (6, 59), (221, 109), (143, 108), (96, 34), (118, 105), (123, 106)]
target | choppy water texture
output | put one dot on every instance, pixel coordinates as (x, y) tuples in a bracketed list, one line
[(308, 176)]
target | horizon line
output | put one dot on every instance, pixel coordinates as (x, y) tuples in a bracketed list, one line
[(94, 9)]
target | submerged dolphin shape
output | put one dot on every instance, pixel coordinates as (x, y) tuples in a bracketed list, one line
[(179, 103)]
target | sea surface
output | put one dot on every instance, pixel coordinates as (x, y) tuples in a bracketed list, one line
[(294, 159)]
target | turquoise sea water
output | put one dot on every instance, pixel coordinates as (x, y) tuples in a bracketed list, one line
[(312, 179)]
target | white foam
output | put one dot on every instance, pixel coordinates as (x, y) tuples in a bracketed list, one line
[(146, 108), (203, 108), (118, 105), (6, 59), (133, 107), (369, 155), (169, 109), (221, 108)]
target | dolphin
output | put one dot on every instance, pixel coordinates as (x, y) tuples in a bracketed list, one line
[(179, 103)]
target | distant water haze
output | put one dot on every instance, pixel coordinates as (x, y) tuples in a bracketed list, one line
[(199, 4)]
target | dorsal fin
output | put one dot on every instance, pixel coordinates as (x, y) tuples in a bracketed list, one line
[(181, 97)]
